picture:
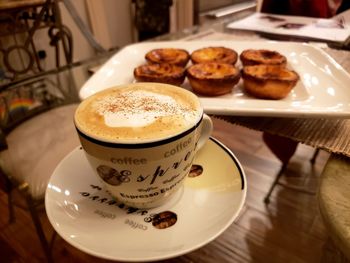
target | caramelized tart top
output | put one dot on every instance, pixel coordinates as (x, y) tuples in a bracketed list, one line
[(174, 56), (269, 72), (262, 56), (159, 70), (214, 54), (213, 70)]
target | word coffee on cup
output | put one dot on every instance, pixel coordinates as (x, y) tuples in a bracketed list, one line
[(141, 139)]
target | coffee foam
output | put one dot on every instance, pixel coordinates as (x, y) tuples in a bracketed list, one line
[(140, 108), (138, 111)]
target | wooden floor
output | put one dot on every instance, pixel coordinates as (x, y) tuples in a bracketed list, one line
[(290, 229)]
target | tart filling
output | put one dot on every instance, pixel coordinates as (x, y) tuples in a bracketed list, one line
[(163, 73), (214, 54), (262, 56), (175, 56)]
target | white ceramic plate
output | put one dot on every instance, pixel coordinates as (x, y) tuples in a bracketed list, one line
[(322, 91), (83, 213)]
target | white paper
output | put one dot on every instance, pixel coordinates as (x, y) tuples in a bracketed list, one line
[(335, 29)]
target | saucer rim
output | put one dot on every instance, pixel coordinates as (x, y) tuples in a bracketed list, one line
[(168, 255)]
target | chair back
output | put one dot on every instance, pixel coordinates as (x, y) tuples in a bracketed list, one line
[(29, 124), (21, 101)]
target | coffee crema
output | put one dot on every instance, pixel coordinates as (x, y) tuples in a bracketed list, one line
[(140, 111)]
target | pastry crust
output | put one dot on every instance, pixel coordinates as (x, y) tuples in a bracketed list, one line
[(163, 73), (251, 57), (214, 54), (213, 79), (175, 56), (268, 81)]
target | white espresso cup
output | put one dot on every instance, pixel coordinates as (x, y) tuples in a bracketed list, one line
[(141, 138)]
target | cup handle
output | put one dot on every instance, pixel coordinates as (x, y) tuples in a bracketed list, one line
[(207, 128)]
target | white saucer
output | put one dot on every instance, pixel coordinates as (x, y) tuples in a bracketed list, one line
[(83, 213)]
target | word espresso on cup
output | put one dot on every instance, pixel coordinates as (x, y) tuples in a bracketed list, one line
[(141, 139)]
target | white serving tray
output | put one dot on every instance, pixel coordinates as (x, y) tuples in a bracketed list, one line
[(321, 92)]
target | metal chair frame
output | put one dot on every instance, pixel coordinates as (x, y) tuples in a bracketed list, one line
[(48, 90), (285, 160)]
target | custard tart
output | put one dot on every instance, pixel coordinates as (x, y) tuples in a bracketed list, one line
[(163, 73), (252, 57), (268, 81), (175, 56), (212, 79), (214, 54)]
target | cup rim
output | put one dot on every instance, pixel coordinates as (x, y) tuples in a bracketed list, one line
[(136, 145)]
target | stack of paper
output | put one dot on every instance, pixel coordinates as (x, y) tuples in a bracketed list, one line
[(335, 29)]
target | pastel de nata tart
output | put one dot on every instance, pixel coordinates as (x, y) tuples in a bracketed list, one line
[(212, 79), (175, 56), (268, 81), (163, 73), (214, 54), (251, 57)]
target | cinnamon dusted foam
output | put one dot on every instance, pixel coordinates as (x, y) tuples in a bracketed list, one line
[(141, 111)]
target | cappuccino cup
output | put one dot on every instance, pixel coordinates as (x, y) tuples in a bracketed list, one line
[(141, 138)]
